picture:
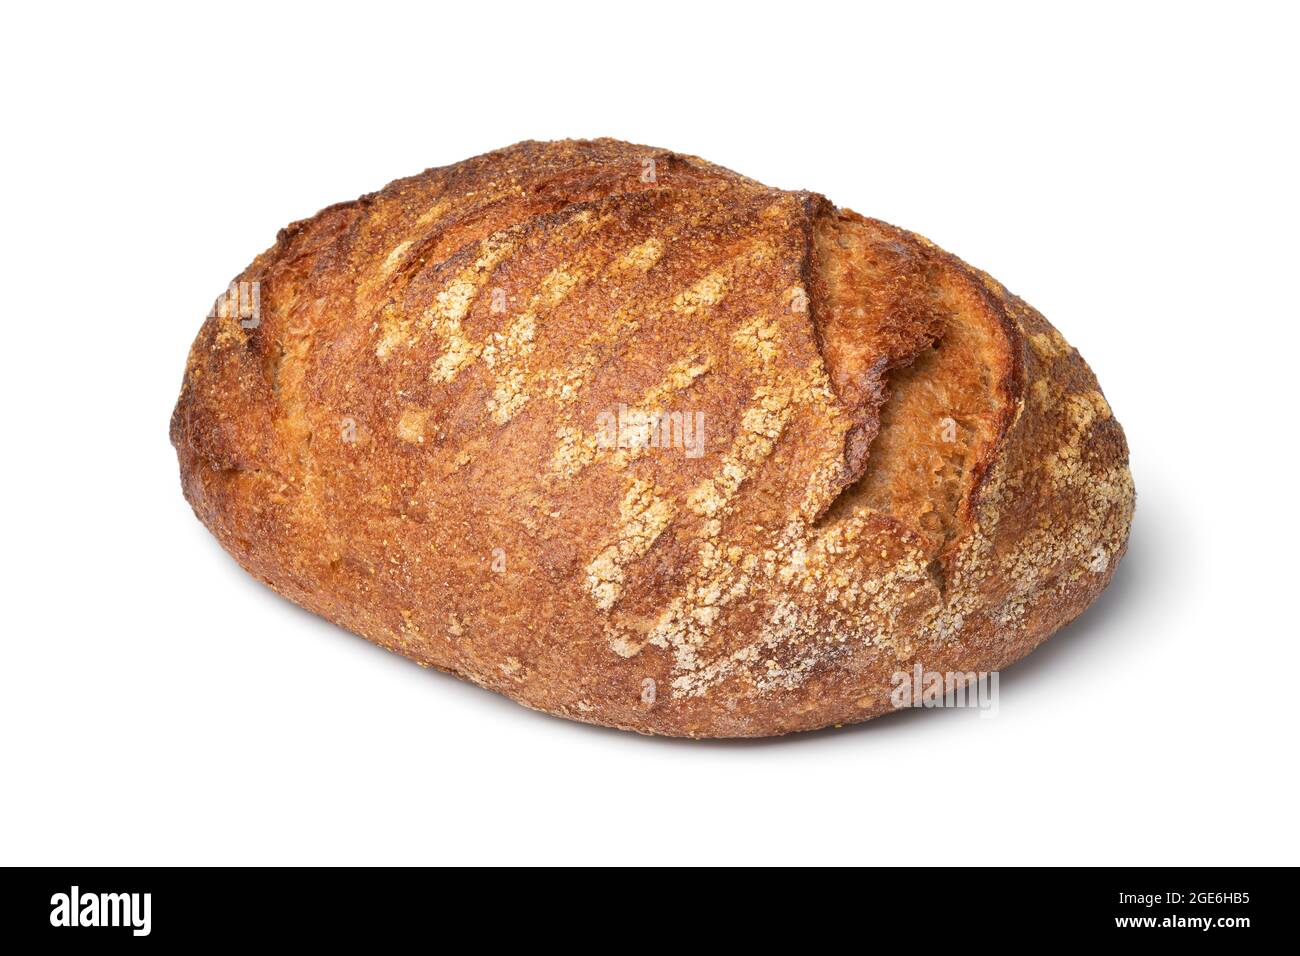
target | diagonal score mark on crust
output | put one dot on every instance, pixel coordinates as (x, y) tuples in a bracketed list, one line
[(641, 256), (578, 449), (724, 571), (507, 353), (566, 384), (717, 577), (642, 518), (514, 346), (453, 303), (449, 307)]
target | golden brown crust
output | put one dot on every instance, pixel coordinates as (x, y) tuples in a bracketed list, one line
[(408, 442)]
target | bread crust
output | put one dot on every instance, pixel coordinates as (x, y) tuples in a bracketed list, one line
[(408, 442)]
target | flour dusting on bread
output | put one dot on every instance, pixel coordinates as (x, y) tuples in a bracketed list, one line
[(838, 450)]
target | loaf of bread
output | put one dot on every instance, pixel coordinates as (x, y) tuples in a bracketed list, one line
[(635, 440)]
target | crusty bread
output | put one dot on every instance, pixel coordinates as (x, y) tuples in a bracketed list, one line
[(902, 462)]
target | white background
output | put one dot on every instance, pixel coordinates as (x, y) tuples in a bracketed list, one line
[(1128, 169)]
